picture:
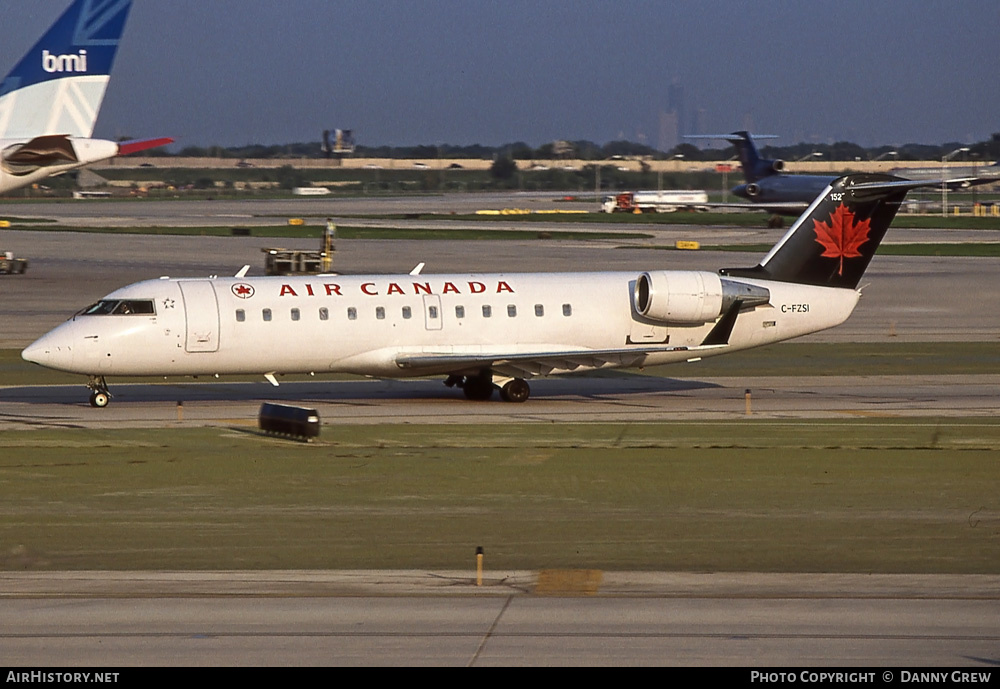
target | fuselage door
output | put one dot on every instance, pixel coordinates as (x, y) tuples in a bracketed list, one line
[(201, 313), (432, 312)]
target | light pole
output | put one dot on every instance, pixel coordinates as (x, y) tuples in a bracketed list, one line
[(944, 176)]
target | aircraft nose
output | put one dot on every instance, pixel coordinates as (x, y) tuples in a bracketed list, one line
[(49, 352)]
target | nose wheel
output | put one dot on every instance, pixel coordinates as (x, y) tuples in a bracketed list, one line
[(100, 396)]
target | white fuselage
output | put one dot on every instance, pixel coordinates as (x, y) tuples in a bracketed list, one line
[(366, 324)]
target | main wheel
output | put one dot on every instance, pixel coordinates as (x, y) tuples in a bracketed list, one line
[(99, 399), (478, 389), (516, 390)]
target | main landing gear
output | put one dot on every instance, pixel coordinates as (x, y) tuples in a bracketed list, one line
[(100, 396), (480, 387)]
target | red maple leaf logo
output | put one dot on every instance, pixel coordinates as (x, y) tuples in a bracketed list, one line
[(842, 237), (242, 291)]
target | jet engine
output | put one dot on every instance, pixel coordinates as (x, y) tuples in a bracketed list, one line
[(777, 165), (691, 297), (752, 190)]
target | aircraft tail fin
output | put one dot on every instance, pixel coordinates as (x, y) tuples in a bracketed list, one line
[(58, 86), (833, 242), (754, 167)]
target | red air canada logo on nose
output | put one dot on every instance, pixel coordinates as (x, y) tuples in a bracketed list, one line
[(842, 237), (243, 290)]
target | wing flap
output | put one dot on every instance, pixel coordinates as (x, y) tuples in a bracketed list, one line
[(542, 363)]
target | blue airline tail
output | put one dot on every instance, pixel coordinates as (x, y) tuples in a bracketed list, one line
[(58, 86), (754, 167)]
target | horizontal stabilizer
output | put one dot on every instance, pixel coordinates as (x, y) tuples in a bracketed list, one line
[(127, 147)]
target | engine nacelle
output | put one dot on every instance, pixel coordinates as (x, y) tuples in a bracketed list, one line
[(778, 165), (752, 190), (691, 297), (683, 297)]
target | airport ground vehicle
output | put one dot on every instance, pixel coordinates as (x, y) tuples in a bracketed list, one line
[(655, 201), (9, 265)]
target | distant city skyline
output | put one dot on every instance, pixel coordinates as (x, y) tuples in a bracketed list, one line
[(399, 73)]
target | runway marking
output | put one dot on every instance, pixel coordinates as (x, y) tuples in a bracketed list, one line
[(568, 582)]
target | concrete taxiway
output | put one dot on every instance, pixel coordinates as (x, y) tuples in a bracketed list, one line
[(616, 399), (553, 617)]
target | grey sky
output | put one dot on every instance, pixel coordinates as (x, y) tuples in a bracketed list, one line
[(234, 72)]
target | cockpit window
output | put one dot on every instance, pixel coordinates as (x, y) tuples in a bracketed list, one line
[(120, 307)]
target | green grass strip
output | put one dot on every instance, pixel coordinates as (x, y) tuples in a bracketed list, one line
[(810, 496)]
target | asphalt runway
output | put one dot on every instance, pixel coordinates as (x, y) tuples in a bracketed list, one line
[(88, 620)]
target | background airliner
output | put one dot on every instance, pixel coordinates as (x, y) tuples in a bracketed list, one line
[(483, 332), (50, 100), (766, 185)]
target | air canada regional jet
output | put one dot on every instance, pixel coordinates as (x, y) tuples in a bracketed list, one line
[(483, 332), (49, 102)]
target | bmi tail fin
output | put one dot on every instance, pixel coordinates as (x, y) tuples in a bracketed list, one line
[(833, 242), (58, 86)]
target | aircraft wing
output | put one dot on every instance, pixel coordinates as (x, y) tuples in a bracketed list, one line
[(543, 363), (548, 362), (776, 207), (907, 184)]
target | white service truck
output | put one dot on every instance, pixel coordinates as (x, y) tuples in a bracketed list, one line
[(10, 265), (655, 201)]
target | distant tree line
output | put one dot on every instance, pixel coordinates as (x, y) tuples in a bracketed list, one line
[(986, 151)]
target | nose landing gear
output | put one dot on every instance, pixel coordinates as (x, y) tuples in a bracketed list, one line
[(100, 396)]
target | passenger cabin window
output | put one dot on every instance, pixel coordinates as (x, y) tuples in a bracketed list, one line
[(539, 310), (352, 313), (407, 312), (295, 314), (380, 313), (241, 315), (432, 312), (121, 307), (459, 312), (567, 310), (266, 313), (511, 310), (324, 314), (487, 310)]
